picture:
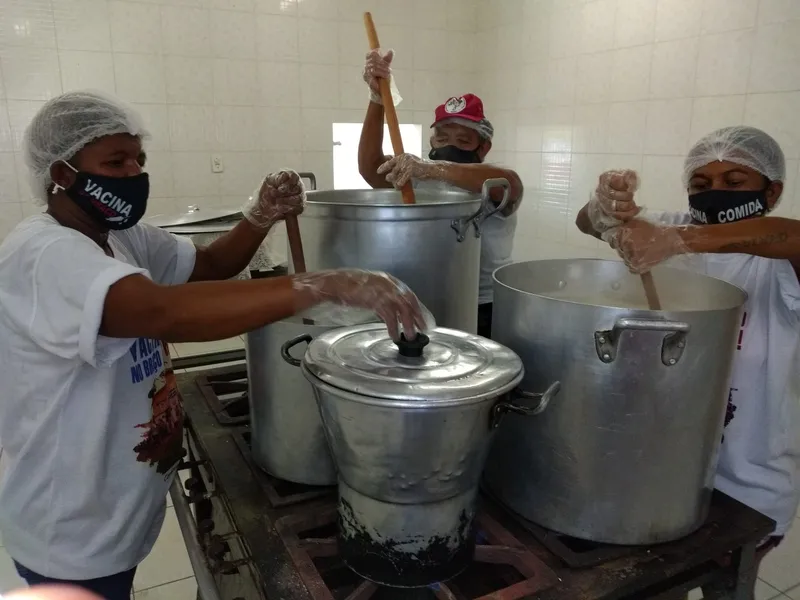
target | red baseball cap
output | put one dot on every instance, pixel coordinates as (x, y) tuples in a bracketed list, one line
[(468, 107), (466, 110)]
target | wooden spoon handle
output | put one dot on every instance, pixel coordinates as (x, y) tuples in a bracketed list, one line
[(295, 244), (388, 107), (650, 291)]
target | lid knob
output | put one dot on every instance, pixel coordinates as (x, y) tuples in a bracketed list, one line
[(412, 348)]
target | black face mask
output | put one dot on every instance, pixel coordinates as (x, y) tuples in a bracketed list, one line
[(722, 206), (455, 154), (114, 202)]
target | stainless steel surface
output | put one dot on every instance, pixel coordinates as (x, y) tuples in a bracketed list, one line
[(455, 367), (626, 452), (204, 226), (407, 450), (419, 243), (194, 215), (287, 436), (206, 586)]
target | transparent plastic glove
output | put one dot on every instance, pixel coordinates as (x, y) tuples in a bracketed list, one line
[(612, 202), (281, 194), (378, 66), (643, 245), (389, 298), (399, 170)]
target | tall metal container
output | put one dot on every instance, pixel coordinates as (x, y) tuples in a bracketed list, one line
[(288, 440), (433, 245), (626, 454)]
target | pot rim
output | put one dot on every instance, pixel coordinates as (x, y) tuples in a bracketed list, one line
[(499, 283), (411, 403)]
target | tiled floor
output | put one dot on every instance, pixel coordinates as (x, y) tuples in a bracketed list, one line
[(167, 574)]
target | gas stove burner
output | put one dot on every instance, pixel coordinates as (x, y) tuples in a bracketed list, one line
[(225, 391), (280, 493), (502, 568)]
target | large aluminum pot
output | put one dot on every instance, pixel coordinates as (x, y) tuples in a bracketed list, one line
[(627, 455), (409, 426), (286, 431), (433, 245)]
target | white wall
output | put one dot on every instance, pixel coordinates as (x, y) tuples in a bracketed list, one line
[(258, 81), (576, 87), (573, 87)]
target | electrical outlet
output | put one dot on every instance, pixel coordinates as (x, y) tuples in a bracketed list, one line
[(217, 165)]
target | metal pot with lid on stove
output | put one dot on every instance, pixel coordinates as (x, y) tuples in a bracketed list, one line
[(628, 453), (409, 425)]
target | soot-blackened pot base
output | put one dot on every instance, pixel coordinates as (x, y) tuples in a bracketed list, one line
[(383, 561)]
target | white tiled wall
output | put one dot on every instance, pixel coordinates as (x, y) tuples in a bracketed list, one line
[(258, 81), (575, 87)]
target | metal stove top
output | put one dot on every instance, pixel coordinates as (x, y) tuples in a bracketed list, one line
[(260, 537)]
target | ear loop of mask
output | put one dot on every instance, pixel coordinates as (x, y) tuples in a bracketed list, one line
[(57, 188)]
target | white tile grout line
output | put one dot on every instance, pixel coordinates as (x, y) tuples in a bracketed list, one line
[(152, 587)]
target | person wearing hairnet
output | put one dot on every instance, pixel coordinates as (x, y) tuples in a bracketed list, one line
[(90, 419), (462, 137), (734, 178)]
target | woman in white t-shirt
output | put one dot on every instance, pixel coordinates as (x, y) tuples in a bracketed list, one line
[(734, 177), (90, 420)]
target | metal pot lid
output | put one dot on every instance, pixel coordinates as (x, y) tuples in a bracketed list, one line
[(193, 216), (445, 366)]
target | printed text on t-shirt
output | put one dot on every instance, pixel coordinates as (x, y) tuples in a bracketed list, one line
[(147, 360)]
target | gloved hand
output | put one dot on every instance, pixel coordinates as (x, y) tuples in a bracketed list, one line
[(379, 66), (643, 245), (389, 298), (612, 202), (401, 169), (281, 194)]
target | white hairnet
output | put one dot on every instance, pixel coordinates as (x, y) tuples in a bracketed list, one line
[(746, 146), (66, 124)]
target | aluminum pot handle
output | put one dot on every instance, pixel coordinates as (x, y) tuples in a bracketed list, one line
[(312, 179), (487, 209), (504, 407), (287, 347), (672, 347)]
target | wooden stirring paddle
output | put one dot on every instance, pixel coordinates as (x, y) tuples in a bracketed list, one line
[(653, 302), (296, 248), (388, 108)]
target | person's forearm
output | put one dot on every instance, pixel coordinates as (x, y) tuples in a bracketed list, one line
[(199, 312), (770, 237), (370, 147), (471, 177), (230, 254)]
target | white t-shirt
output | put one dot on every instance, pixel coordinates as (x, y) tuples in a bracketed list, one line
[(92, 426), (759, 462), (497, 241)]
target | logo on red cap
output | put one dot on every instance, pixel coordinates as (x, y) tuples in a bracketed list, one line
[(455, 105)]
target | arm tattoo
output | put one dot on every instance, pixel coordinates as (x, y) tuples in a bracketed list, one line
[(764, 240)]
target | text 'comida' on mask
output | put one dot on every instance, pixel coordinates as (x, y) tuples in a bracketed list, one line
[(114, 202), (714, 207)]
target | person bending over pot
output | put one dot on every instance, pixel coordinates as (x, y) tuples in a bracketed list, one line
[(734, 178), (91, 420), (461, 139)]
